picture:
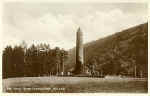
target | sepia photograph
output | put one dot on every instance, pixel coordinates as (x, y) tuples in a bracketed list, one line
[(58, 47)]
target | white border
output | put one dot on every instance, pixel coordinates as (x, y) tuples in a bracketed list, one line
[(79, 1), (148, 46), (72, 94)]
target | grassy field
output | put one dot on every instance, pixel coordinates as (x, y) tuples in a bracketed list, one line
[(74, 85)]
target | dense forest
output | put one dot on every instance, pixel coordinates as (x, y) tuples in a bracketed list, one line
[(123, 53), (37, 60)]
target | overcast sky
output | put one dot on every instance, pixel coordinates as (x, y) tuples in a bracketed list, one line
[(56, 23)]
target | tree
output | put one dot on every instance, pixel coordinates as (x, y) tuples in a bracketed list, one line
[(6, 62), (18, 61)]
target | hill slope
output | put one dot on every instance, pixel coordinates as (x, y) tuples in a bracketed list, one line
[(122, 52)]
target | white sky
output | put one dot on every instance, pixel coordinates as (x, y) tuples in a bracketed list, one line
[(57, 23)]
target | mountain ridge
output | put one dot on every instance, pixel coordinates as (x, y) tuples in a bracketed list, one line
[(131, 43)]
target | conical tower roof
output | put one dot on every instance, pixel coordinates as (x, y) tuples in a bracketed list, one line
[(79, 29)]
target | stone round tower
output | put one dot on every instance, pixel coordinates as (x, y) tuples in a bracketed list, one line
[(79, 53)]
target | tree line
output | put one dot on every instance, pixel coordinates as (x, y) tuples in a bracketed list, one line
[(36, 60)]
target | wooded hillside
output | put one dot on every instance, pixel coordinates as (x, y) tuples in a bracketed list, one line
[(121, 53)]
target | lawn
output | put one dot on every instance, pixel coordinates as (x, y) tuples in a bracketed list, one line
[(74, 85)]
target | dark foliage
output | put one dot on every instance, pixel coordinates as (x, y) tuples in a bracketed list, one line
[(36, 60)]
